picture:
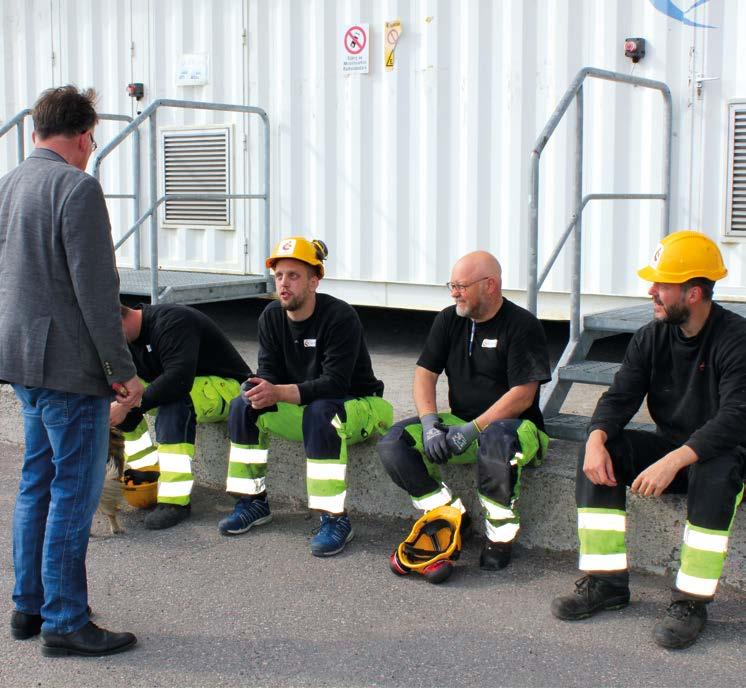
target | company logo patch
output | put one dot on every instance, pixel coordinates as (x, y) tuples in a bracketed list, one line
[(286, 246), (489, 343), (657, 255), (309, 343)]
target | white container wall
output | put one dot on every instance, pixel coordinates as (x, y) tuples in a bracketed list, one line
[(403, 171)]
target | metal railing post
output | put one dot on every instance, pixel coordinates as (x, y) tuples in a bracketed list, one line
[(267, 246), (154, 217), (136, 191), (21, 143), (666, 220), (577, 237), (532, 267)]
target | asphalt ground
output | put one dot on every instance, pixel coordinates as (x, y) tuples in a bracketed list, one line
[(259, 610)]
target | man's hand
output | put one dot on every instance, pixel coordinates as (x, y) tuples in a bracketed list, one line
[(597, 465), (129, 393), (262, 394), (459, 437), (658, 476), (117, 413), (434, 439)]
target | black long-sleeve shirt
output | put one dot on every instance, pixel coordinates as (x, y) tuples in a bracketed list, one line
[(176, 344), (325, 355), (696, 386)]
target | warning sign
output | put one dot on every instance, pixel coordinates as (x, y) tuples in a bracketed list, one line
[(391, 32), (355, 52)]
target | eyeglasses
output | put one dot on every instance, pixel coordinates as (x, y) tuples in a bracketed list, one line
[(457, 286), (94, 145)]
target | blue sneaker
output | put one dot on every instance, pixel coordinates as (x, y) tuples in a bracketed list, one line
[(248, 512), (333, 534)]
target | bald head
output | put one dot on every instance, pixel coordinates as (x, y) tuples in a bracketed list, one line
[(480, 277)]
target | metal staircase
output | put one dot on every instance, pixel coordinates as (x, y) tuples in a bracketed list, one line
[(573, 366)]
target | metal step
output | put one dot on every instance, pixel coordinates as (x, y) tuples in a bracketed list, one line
[(187, 287), (589, 372), (566, 426)]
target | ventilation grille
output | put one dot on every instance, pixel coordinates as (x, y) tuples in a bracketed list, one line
[(737, 171), (197, 162)]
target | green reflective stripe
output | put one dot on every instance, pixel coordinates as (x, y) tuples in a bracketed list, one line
[(502, 521), (341, 460), (180, 501), (601, 542), (247, 470), (181, 448), (598, 510), (700, 563), (168, 477), (325, 488), (251, 446)]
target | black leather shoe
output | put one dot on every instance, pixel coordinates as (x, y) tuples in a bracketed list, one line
[(89, 641), (24, 626), (682, 624), (592, 595), (495, 555), (167, 516)]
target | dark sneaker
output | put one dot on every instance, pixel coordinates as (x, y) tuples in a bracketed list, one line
[(24, 626), (89, 641), (333, 534), (248, 512), (683, 622), (167, 516), (592, 595), (495, 555)]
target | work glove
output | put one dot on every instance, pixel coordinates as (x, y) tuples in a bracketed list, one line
[(459, 437), (434, 439)]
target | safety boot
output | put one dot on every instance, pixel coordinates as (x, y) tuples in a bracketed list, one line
[(681, 625), (592, 594), (495, 555), (166, 516)]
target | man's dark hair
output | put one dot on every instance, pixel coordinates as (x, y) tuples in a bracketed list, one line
[(64, 111), (707, 286)]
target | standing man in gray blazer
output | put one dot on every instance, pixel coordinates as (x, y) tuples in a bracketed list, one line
[(63, 349)]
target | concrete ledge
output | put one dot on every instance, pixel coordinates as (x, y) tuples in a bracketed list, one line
[(547, 502)]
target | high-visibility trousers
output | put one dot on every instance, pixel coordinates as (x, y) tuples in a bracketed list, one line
[(325, 426), (500, 452), (714, 489), (175, 431)]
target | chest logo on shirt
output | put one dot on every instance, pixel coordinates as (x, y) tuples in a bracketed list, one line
[(149, 348), (489, 343), (309, 343)]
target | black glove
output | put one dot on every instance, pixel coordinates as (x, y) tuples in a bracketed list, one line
[(245, 387), (434, 439)]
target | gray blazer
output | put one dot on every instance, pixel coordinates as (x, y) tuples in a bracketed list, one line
[(60, 326)]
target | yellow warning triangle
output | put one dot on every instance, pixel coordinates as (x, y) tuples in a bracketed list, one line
[(390, 59)]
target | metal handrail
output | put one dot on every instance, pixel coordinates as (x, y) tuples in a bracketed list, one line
[(149, 113), (575, 91)]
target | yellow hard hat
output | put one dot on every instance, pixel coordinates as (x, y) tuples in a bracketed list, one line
[(682, 256), (312, 252)]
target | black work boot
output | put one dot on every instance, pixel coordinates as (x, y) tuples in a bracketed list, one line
[(592, 594), (166, 516), (682, 623), (495, 555)]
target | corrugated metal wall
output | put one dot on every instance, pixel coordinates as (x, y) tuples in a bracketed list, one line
[(402, 172)]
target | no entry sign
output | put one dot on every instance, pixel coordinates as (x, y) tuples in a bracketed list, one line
[(355, 49)]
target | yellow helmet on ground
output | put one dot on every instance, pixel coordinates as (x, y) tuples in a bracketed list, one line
[(431, 547), (682, 256), (313, 252), (141, 486)]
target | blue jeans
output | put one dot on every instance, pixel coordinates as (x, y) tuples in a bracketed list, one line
[(61, 481)]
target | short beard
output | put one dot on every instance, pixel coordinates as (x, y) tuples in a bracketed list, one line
[(294, 303), (677, 314)]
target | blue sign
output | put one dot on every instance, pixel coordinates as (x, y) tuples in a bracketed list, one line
[(672, 10)]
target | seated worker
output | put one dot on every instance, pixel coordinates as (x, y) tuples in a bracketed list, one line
[(315, 384), (690, 363), (193, 372), (495, 356)]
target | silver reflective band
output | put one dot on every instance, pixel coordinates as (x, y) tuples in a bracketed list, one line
[(334, 504), (244, 455), (249, 486), (182, 488), (603, 562), (326, 471)]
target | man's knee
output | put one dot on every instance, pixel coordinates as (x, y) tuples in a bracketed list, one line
[(175, 422), (499, 441), (242, 421), (395, 445), (320, 437)]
